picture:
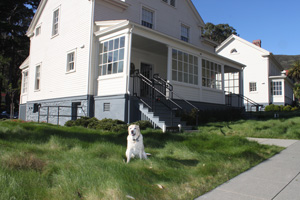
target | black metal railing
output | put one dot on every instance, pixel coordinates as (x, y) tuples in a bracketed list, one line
[(242, 99), (157, 91)]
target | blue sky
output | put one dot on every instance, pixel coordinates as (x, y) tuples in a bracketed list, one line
[(275, 22)]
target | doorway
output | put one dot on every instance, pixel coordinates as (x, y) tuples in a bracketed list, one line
[(146, 70)]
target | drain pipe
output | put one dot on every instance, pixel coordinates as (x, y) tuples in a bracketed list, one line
[(129, 49)]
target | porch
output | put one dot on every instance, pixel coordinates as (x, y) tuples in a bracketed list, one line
[(145, 66)]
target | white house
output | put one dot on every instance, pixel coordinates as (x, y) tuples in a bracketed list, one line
[(84, 57), (265, 82)]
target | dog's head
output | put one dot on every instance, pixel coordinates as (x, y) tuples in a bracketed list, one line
[(134, 130)]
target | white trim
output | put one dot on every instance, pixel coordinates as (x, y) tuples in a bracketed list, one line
[(58, 23), (150, 9), (23, 79), (74, 61), (35, 77)]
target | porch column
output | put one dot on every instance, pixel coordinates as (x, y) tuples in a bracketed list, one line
[(127, 61), (241, 86), (223, 83), (169, 68)]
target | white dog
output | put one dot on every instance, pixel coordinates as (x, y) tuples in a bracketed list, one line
[(135, 145)]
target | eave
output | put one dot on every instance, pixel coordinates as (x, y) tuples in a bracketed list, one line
[(121, 4), (25, 64), (30, 31)]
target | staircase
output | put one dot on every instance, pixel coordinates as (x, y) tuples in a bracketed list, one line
[(156, 104)]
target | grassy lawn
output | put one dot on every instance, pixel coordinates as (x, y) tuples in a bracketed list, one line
[(282, 128), (46, 162)]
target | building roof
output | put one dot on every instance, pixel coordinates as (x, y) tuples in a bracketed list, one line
[(264, 52), (25, 64)]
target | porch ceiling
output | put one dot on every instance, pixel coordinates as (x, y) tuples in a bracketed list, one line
[(149, 45), (228, 69)]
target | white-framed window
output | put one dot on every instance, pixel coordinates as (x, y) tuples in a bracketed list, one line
[(37, 85), (211, 75), (276, 88), (71, 61), (25, 82), (184, 67), (185, 33), (252, 87), (55, 23), (111, 59), (147, 18), (38, 30), (231, 82)]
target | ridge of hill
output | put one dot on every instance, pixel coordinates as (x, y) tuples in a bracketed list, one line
[(287, 60)]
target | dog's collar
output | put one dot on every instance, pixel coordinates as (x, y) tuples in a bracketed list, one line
[(137, 139)]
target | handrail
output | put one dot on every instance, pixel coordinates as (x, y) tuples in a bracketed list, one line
[(170, 87), (253, 103), (149, 83)]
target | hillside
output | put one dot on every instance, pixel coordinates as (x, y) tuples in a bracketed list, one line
[(286, 61)]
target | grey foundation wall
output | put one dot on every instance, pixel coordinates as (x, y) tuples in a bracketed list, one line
[(56, 111)]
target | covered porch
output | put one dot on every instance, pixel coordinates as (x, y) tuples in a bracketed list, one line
[(183, 71)]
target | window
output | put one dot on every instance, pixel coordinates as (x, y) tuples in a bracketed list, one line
[(231, 82), (185, 32), (276, 88), (37, 77), (25, 82), (112, 56), (184, 67), (71, 61), (55, 25), (211, 75), (252, 87), (147, 18), (38, 31)]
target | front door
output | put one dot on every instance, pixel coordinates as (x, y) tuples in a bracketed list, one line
[(146, 70)]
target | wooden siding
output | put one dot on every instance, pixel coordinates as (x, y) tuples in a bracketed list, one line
[(51, 52)]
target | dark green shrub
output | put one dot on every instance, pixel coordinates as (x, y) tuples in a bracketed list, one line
[(111, 125), (143, 124), (273, 107), (287, 108), (295, 108), (70, 123)]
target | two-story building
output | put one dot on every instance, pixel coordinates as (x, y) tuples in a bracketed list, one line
[(265, 80), (107, 58)]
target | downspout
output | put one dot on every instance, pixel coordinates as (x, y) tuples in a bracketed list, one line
[(90, 60), (129, 49)]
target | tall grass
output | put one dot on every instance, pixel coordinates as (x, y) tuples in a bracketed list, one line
[(44, 162), (282, 128)]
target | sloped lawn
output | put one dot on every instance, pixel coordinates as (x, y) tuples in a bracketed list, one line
[(46, 162), (282, 128)]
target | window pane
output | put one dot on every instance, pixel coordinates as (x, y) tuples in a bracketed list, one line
[(174, 75), (174, 54), (109, 68), (121, 54), (122, 42), (186, 77), (116, 43), (105, 58), (196, 80), (104, 70), (116, 55), (105, 47), (180, 76), (180, 66), (111, 45), (110, 57), (115, 68), (174, 64), (120, 68)]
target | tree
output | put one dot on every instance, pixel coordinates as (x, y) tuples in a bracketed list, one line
[(15, 18), (218, 33), (294, 72)]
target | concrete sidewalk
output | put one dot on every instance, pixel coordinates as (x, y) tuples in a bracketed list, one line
[(277, 178)]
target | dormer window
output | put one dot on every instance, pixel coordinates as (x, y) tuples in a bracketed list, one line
[(147, 18)]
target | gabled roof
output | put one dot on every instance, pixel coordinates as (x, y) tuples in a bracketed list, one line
[(235, 37), (25, 64), (196, 13), (36, 17), (264, 52)]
